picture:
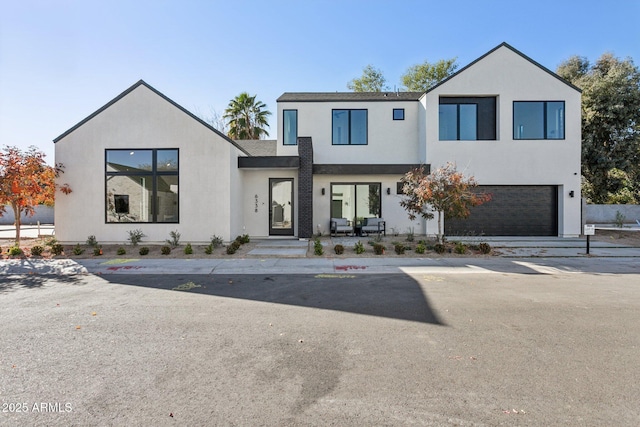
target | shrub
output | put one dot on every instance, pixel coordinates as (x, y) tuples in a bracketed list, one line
[(484, 248), (338, 249), (51, 241), (77, 250), (358, 247), (378, 249), (175, 239), (317, 247), (399, 248), (439, 248), (421, 248), (620, 219), (188, 250), (97, 251), (37, 250), (233, 247), (243, 239), (216, 241), (410, 234), (57, 249), (165, 250), (121, 251), (144, 250), (208, 249), (135, 237), (460, 248), (91, 241), (15, 251)]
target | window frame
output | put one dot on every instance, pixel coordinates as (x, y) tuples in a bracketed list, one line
[(349, 122), (544, 121), (155, 173), (284, 127), (486, 117), (398, 110), (355, 188)]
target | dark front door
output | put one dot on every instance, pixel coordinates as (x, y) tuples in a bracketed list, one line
[(281, 206)]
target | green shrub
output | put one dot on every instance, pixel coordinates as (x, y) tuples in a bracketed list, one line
[(135, 236), (216, 241), (460, 248), (243, 239), (378, 249), (121, 251), (77, 250), (165, 250), (484, 248), (37, 250), (399, 248), (144, 250), (338, 249), (620, 219), (358, 247), (188, 250), (51, 241), (317, 247), (208, 249), (175, 239), (231, 249), (91, 241), (57, 249), (97, 251), (15, 251), (439, 248), (420, 248)]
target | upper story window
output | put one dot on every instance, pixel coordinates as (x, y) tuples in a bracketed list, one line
[(349, 127), (141, 185), (538, 120), (398, 114), (467, 119), (290, 127)]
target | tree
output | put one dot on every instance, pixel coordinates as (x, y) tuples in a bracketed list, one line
[(610, 126), (422, 77), (372, 80), (27, 181), (216, 120), (446, 191), (247, 117)]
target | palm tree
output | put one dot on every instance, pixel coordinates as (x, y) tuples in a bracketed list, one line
[(247, 117)]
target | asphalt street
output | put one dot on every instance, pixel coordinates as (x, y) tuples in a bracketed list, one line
[(530, 347)]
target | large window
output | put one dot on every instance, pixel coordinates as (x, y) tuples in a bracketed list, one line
[(538, 120), (141, 185), (355, 201), (467, 119), (290, 127), (349, 127)]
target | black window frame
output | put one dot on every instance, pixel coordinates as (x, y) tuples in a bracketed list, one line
[(366, 129), (355, 187), (486, 116), (155, 173), (544, 121), (399, 110), (284, 133)]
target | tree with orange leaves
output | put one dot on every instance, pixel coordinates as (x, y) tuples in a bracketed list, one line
[(445, 191), (26, 181)]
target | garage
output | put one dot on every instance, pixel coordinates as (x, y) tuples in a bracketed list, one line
[(523, 210)]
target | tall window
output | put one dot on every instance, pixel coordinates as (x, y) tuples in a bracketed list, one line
[(467, 119), (355, 201), (290, 127), (349, 127), (538, 120), (141, 185)]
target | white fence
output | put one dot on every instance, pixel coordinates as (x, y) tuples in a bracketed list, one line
[(606, 214)]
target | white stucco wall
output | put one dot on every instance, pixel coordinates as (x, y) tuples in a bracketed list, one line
[(506, 161), (389, 141), (142, 120)]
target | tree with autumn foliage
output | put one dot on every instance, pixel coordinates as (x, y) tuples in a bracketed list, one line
[(445, 191), (26, 181)]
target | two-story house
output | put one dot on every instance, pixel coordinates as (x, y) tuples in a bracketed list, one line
[(142, 161)]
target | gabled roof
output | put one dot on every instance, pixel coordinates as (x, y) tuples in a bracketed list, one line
[(516, 51), (259, 147), (131, 89), (349, 96)]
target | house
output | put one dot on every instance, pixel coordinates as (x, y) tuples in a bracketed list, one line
[(144, 162)]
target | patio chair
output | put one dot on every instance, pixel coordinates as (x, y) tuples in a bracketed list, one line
[(374, 225), (341, 225)]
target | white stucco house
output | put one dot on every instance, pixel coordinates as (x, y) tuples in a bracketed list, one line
[(144, 162)]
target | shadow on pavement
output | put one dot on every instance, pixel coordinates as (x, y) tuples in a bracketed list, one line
[(396, 296), (33, 281)]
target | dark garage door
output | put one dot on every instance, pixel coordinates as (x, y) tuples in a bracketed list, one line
[(524, 210)]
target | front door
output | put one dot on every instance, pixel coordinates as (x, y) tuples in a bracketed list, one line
[(281, 202)]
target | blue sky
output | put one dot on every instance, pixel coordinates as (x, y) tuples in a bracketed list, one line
[(62, 60)]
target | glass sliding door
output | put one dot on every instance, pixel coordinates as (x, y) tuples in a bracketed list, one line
[(355, 201), (281, 206)]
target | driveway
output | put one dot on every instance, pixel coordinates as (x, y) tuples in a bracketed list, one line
[(427, 347)]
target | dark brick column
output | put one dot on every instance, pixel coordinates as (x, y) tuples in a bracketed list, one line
[(305, 188)]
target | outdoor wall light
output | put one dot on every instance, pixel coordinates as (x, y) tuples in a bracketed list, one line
[(323, 191), (388, 190), (571, 193)]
